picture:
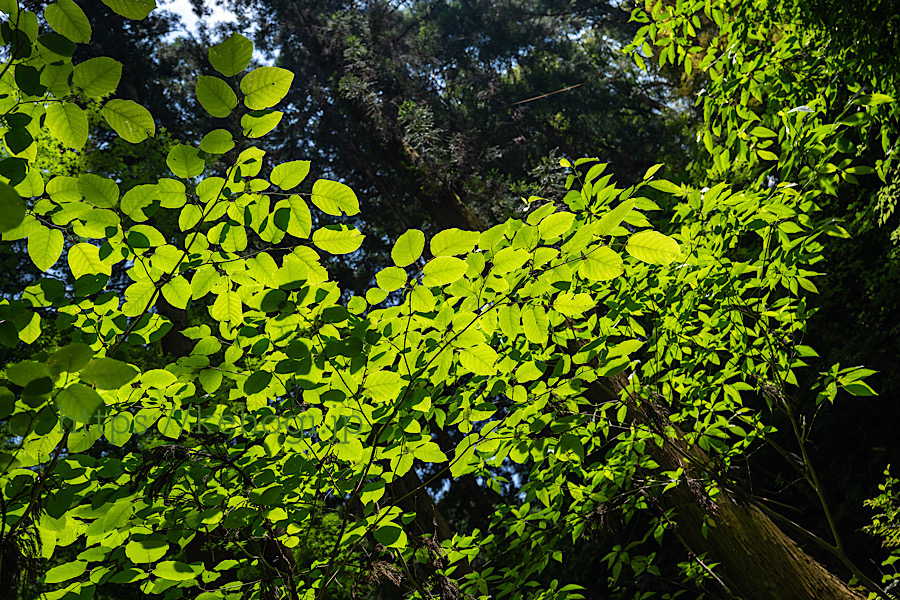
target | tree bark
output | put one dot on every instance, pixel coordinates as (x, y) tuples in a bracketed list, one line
[(757, 560)]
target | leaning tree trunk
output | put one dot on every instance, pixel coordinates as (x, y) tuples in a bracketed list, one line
[(756, 559)]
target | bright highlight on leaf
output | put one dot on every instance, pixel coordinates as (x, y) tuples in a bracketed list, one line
[(45, 246), (215, 96), (67, 19), (444, 270), (130, 120), (231, 56), (408, 248), (332, 198), (67, 123), (338, 239), (289, 175), (451, 242), (653, 247), (265, 87)]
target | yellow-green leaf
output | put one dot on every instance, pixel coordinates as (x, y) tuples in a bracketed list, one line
[(265, 87), (444, 270), (67, 123), (653, 247), (338, 239), (408, 248), (45, 247), (215, 96), (332, 197), (231, 56), (67, 19)]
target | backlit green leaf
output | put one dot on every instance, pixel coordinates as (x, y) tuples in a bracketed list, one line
[(408, 248), (338, 239), (384, 386), (600, 264), (451, 242), (479, 359), (79, 402), (12, 209), (97, 77), (132, 9), (130, 120), (215, 96), (613, 218), (231, 56), (67, 19), (65, 571), (653, 247), (265, 87), (184, 161), (218, 141), (67, 123), (148, 550), (45, 246), (108, 373), (444, 270), (391, 278), (84, 259), (332, 197), (289, 175), (257, 125)]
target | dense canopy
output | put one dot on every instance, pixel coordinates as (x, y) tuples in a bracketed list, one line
[(326, 302)]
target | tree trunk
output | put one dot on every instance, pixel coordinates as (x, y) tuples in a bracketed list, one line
[(756, 560)]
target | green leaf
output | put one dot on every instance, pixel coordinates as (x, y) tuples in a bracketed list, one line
[(97, 76), (231, 56), (573, 304), (65, 571), (429, 452), (215, 96), (332, 197), (67, 123), (45, 246), (148, 550), (79, 402), (218, 141), (265, 87), (84, 259), (555, 225), (451, 242), (444, 270), (289, 175), (228, 307), (408, 248), (384, 386), (391, 535), (873, 99), (101, 192), (177, 292), (12, 208), (70, 359), (653, 247), (601, 264), (130, 120), (479, 359), (184, 161), (614, 218), (175, 571), (338, 239), (391, 278), (510, 259), (256, 125), (132, 9), (108, 373), (666, 186), (68, 20)]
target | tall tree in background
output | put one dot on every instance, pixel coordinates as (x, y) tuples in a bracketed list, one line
[(444, 114)]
